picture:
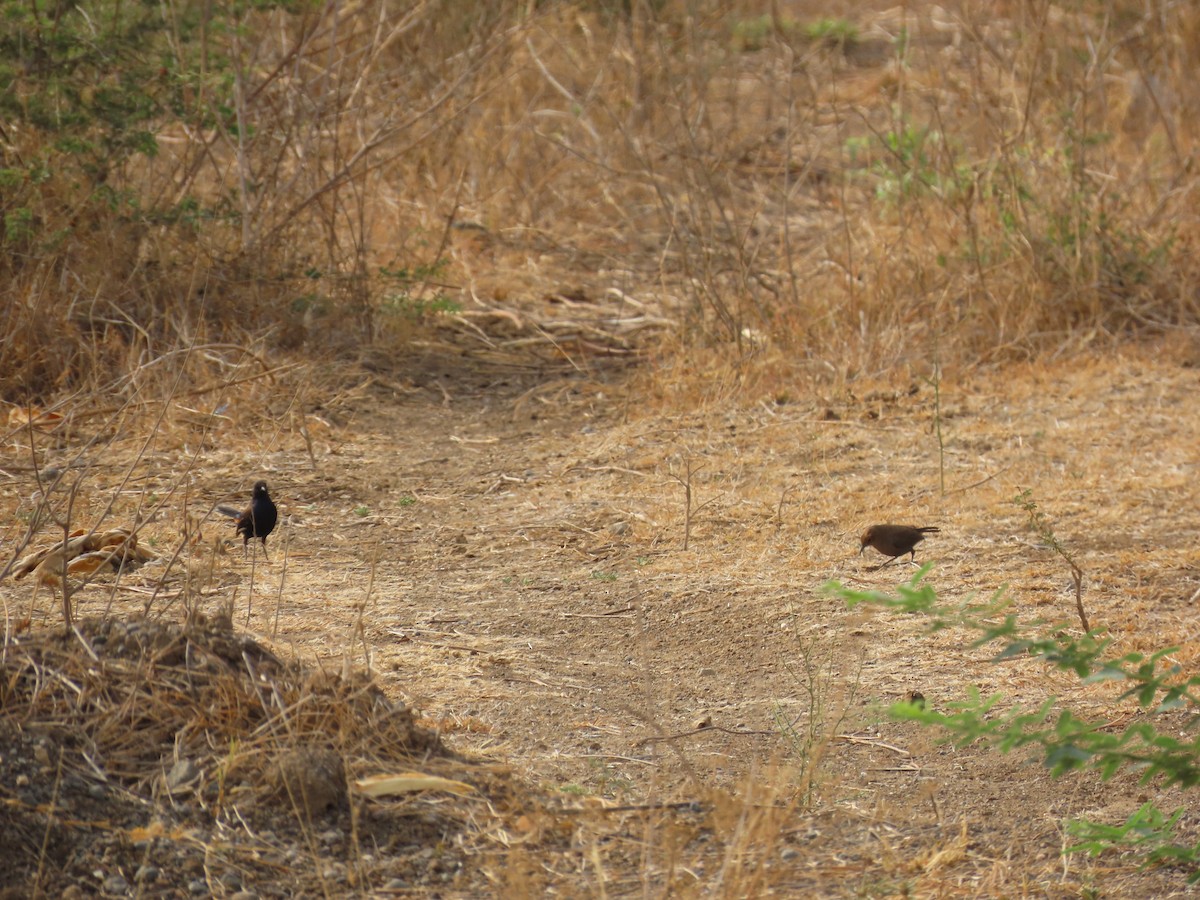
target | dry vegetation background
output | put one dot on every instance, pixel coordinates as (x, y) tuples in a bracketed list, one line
[(578, 342)]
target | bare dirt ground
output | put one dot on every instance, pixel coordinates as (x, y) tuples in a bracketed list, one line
[(506, 556)]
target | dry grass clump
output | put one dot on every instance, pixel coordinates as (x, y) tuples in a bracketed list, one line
[(210, 729), (128, 699)]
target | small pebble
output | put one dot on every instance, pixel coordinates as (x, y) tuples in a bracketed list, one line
[(146, 873), (115, 884), (197, 887)]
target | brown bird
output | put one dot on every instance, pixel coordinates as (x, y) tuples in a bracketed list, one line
[(258, 519), (894, 540)]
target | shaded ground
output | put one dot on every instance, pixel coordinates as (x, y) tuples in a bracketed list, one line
[(512, 566)]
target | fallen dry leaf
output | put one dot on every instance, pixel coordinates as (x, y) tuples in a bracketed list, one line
[(407, 782), (23, 416), (115, 545)]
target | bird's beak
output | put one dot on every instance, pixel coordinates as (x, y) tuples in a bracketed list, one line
[(862, 549)]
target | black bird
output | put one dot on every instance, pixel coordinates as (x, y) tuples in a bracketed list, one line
[(258, 519), (894, 540)]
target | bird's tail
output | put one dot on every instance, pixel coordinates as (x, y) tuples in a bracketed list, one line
[(928, 529), (235, 513)]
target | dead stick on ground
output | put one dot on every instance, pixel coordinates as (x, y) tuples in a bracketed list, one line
[(702, 730), (605, 615), (682, 805)]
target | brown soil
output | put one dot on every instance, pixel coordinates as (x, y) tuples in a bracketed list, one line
[(506, 556)]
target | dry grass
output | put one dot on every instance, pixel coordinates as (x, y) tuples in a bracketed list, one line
[(972, 182), (246, 756), (426, 251)]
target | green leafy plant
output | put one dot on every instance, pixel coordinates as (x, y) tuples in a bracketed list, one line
[(752, 34), (906, 162), (404, 291), (1146, 831), (1065, 741), (832, 31)]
